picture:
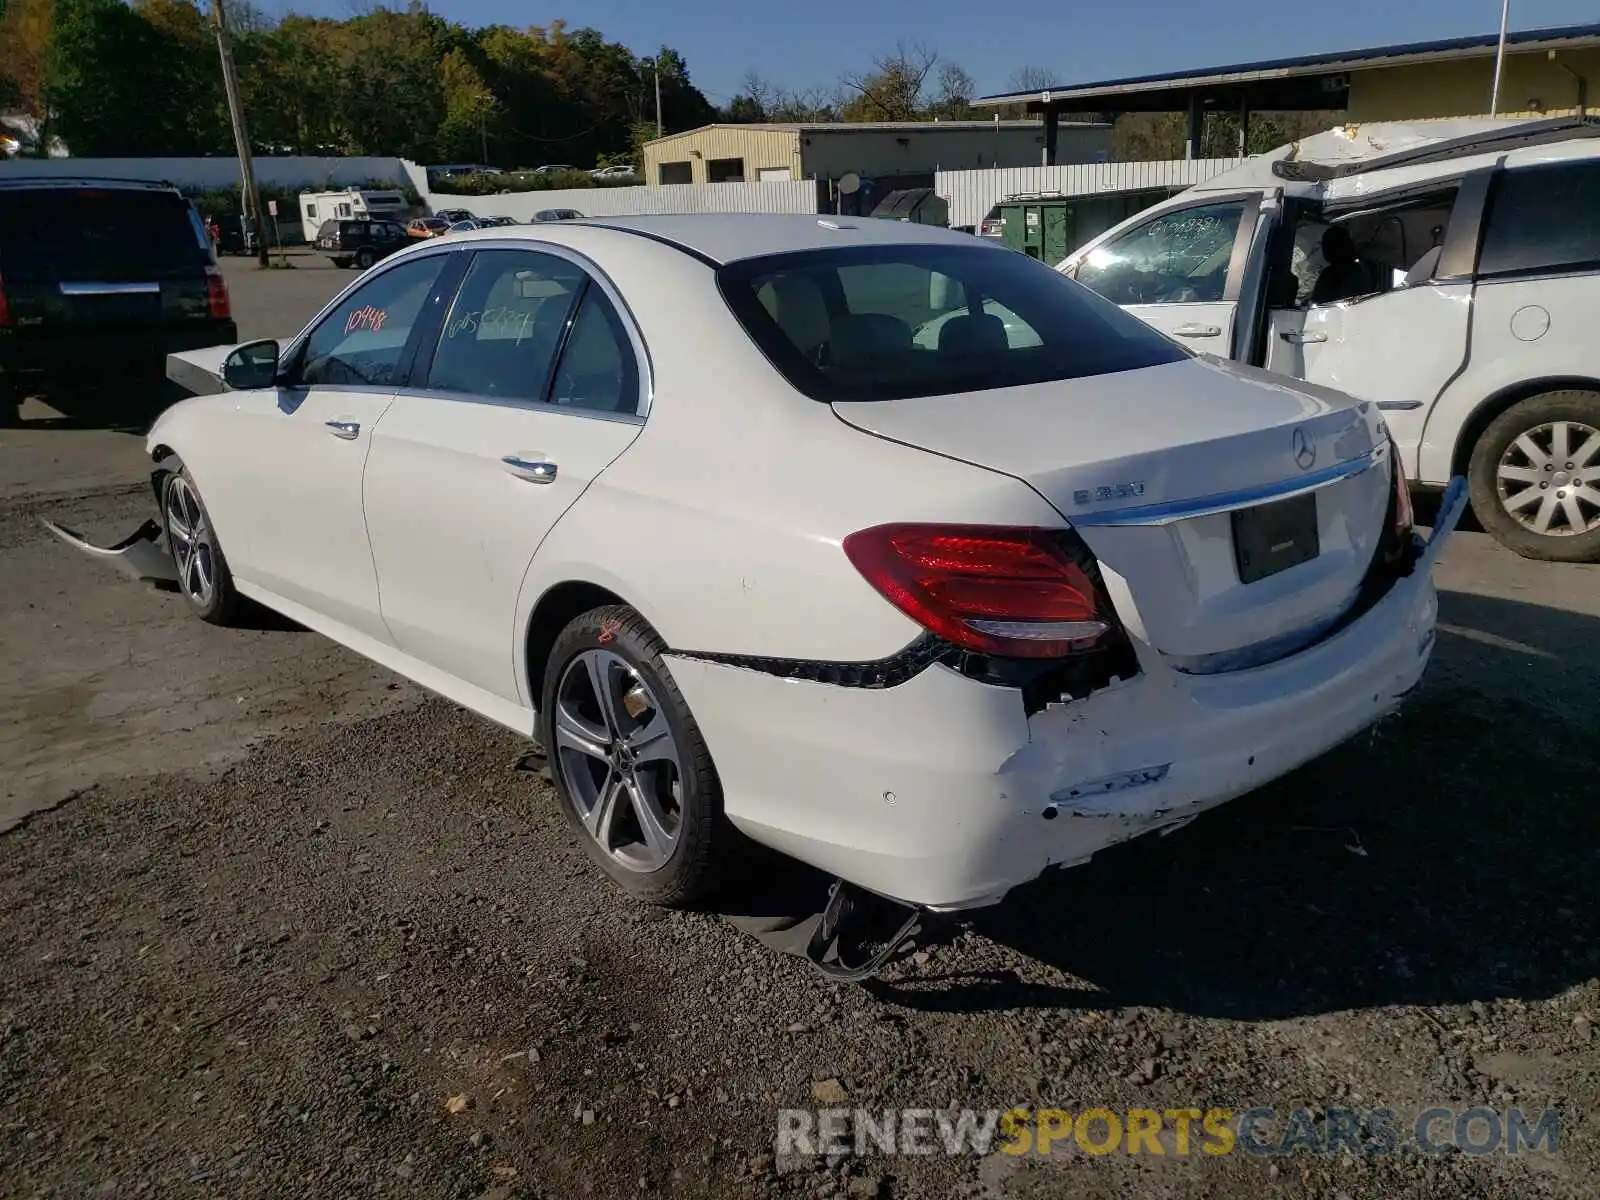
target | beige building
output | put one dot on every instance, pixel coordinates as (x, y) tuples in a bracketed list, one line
[(872, 150), (1546, 72)]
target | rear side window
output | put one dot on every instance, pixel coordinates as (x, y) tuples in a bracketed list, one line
[(1543, 219), (98, 232), (506, 324), (893, 322)]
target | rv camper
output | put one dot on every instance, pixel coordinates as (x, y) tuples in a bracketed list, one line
[(317, 207)]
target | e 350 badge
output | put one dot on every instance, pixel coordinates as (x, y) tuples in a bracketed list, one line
[(1114, 491)]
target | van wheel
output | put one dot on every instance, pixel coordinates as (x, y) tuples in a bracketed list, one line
[(364, 259), (1535, 477), (633, 773)]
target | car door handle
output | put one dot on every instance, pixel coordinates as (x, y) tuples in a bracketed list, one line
[(1192, 330), (348, 430), (533, 469), (1295, 338)]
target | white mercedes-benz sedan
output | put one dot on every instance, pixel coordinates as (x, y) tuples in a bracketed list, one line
[(880, 545)]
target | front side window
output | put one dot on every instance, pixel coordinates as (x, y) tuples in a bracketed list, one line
[(362, 342), (891, 322), (1543, 219), (506, 324), (1181, 257)]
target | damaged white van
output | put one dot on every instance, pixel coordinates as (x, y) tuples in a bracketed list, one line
[(1447, 270)]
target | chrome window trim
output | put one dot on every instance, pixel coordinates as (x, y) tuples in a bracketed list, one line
[(583, 262), (1205, 506)]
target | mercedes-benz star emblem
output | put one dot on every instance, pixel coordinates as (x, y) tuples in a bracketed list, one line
[(1305, 454)]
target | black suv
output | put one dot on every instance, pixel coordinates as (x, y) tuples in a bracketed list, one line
[(361, 241), (100, 279)]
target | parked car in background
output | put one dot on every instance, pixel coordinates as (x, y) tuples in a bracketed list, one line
[(616, 171), (451, 215), (558, 169), (101, 279), (426, 227), (1447, 271), (558, 214), (993, 225), (464, 226), (492, 222), (1088, 575), (359, 243)]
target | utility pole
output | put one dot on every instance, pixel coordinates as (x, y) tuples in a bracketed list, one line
[(241, 135), (1500, 58), (656, 66)]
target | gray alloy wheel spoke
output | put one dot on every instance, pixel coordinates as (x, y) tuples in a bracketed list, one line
[(603, 682), (652, 822), (1588, 454), (601, 819), (1531, 450), (1515, 474), (574, 733), (1548, 479), (652, 742)]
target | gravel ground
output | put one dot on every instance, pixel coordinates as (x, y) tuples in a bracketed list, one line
[(272, 915)]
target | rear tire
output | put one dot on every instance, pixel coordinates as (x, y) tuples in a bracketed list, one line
[(365, 258), (1531, 488), (204, 581), (633, 774)]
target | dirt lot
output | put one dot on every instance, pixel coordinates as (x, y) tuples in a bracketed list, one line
[(268, 909)]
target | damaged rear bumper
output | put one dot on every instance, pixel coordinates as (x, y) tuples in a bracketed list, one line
[(944, 793), (141, 555)]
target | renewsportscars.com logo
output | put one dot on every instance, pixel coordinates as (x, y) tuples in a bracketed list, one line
[(1262, 1132)]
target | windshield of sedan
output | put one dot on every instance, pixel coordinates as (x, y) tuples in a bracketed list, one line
[(900, 321)]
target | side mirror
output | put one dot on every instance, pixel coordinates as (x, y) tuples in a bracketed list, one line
[(251, 366)]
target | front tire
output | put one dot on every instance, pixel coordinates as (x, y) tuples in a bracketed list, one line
[(204, 580), (1534, 477), (364, 259), (635, 779)]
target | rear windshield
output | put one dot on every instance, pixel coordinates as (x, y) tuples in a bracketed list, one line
[(893, 322), (68, 231)]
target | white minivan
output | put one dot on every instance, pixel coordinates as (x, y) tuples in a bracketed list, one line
[(1449, 271)]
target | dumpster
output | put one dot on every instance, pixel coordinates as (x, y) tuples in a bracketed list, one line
[(1050, 227), (920, 206)]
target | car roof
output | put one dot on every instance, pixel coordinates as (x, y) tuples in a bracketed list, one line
[(720, 238)]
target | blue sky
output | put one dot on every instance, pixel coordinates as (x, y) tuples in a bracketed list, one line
[(807, 43)]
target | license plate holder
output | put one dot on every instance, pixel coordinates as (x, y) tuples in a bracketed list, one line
[(1271, 538)]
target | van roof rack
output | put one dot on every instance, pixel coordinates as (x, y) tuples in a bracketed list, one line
[(1513, 137)]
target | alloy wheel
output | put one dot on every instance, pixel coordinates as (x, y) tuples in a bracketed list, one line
[(618, 760), (1548, 479), (190, 537)]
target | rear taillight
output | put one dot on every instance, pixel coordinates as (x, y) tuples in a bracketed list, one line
[(1405, 517), (217, 295), (998, 590), (993, 228), (5, 305)]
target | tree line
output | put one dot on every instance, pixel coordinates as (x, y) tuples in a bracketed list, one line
[(117, 79)]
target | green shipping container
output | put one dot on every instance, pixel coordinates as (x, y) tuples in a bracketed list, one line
[(1051, 227)]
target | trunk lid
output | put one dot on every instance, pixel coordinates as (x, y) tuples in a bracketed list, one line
[(1198, 486), (110, 258)]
